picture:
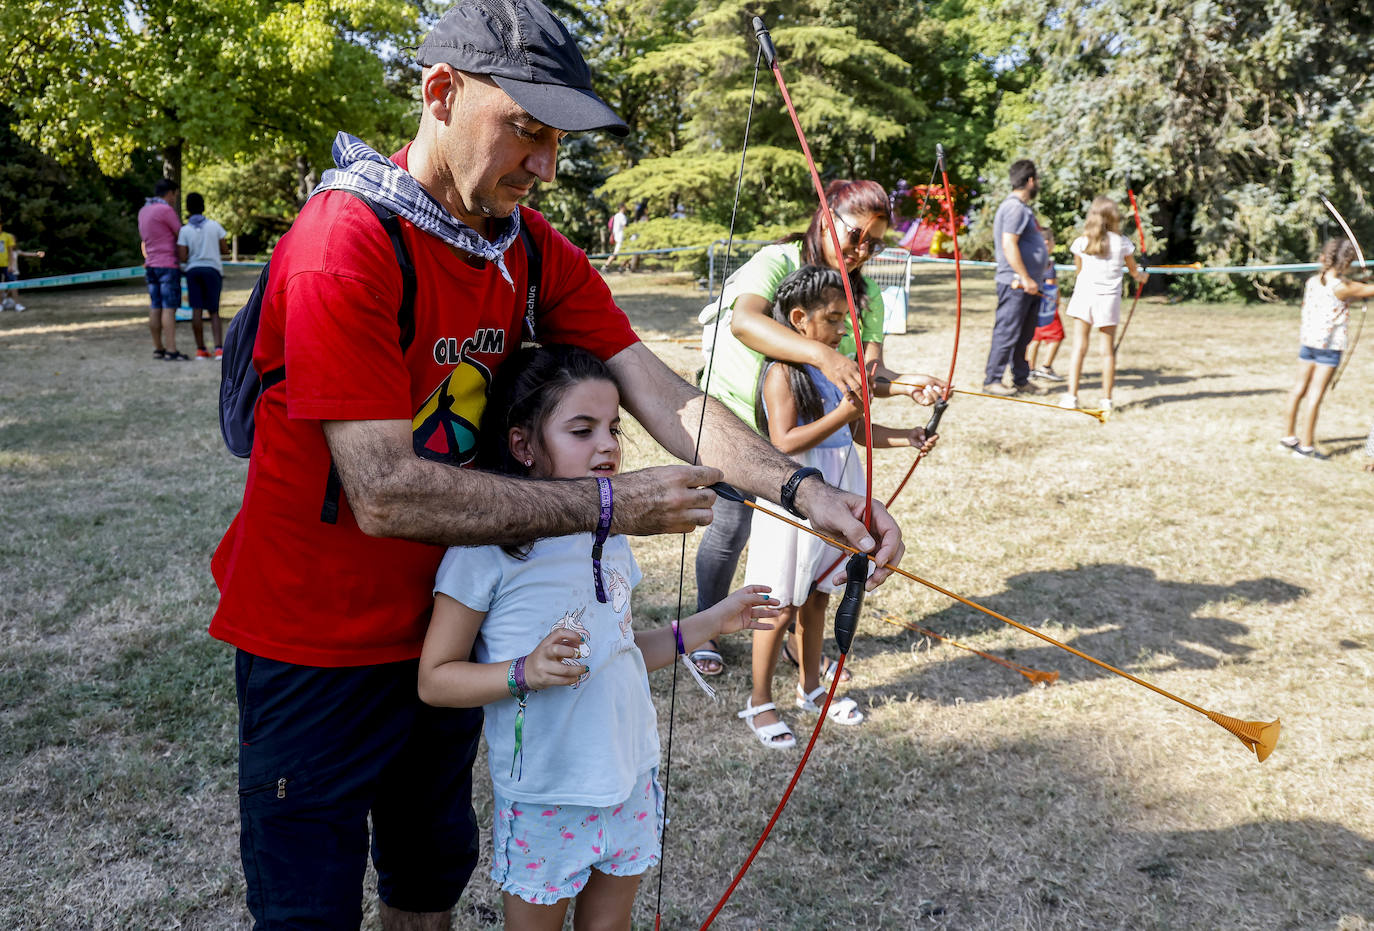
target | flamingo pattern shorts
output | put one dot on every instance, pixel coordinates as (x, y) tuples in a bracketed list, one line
[(546, 853)]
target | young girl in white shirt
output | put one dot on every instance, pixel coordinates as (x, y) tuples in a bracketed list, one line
[(1323, 337), (1100, 256), (541, 635)]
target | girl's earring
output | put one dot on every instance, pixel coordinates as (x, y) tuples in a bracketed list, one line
[(528, 463)]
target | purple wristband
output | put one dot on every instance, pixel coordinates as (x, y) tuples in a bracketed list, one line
[(677, 635), (520, 682), (603, 527)]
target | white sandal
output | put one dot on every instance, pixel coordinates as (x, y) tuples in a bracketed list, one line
[(842, 710), (767, 732)]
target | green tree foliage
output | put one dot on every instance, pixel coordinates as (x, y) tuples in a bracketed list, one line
[(877, 85), (81, 218), (223, 79), (1227, 117)]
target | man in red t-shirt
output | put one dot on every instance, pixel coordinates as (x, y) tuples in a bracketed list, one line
[(329, 617)]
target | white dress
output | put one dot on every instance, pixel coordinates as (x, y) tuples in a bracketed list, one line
[(783, 557), (1097, 290)]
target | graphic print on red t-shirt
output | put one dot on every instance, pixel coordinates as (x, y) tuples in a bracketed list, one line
[(444, 429)]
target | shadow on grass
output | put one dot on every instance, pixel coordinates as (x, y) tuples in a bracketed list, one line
[(1154, 378), (1131, 615), (1156, 401), (1016, 835)]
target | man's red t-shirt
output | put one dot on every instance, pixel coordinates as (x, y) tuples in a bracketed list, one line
[(296, 589)]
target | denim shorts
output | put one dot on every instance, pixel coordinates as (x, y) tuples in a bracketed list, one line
[(164, 287), (321, 750), (203, 288), (1331, 357), (546, 853)]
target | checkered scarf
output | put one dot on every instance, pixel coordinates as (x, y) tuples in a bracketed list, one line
[(363, 171)]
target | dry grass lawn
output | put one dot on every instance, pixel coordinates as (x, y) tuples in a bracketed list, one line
[(1177, 542)]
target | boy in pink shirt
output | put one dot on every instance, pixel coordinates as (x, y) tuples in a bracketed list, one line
[(158, 225)]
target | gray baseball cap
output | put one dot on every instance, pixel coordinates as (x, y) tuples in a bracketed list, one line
[(530, 55)]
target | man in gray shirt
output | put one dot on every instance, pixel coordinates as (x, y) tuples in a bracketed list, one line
[(1021, 259)]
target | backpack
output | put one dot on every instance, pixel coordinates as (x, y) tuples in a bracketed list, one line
[(241, 385)]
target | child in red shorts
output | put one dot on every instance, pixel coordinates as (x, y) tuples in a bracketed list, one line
[(1048, 328)]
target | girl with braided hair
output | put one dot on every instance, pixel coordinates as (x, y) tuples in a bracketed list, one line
[(810, 418)]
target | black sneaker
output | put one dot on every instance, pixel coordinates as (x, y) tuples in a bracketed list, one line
[(176, 357)]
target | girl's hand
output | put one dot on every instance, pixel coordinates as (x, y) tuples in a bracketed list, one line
[(742, 609), (852, 407), (918, 439), (1140, 275), (544, 666), (928, 395), (842, 371)]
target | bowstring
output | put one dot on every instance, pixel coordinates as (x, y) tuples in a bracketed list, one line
[(696, 460)]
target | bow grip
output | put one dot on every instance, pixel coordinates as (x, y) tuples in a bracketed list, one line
[(770, 54), (933, 425), (847, 616)]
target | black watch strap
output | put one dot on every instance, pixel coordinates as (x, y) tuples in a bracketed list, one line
[(788, 498)]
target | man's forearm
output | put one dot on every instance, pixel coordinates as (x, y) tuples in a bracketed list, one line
[(414, 499), (671, 410)]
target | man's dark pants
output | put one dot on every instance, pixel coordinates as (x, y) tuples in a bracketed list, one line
[(320, 750), (1011, 334)]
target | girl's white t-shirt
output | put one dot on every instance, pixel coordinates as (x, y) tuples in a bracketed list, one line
[(1325, 317), (584, 744), (1101, 274)]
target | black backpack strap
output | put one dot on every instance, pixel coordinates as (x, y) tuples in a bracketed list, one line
[(405, 321), (534, 271), (405, 314)]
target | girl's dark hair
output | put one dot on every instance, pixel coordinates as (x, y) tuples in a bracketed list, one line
[(811, 288), (851, 199), (526, 389), (1337, 253)]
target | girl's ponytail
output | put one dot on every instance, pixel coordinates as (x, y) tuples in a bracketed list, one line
[(1337, 253), (1103, 218)]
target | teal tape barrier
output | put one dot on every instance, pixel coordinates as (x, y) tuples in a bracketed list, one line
[(136, 271)]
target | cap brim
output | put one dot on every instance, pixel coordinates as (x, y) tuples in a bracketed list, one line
[(571, 109)]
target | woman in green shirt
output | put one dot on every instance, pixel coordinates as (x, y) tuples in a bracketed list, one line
[(747, 333)]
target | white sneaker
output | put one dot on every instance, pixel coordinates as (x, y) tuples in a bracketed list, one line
[(1105, 405), (7, 304), (18, 306), (1069, 402)]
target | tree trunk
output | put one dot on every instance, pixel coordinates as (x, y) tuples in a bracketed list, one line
[(305, 180), (171, 167)]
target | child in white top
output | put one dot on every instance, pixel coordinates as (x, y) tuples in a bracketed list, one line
[(809, 418), (1100, 257), (542, 636), (1323, 337)]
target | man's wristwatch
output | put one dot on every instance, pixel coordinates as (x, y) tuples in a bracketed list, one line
[(788, 498)]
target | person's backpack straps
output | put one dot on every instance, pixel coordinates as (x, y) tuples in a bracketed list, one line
[(405, 322), (240, 384), (534, 272), (405, 314)]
